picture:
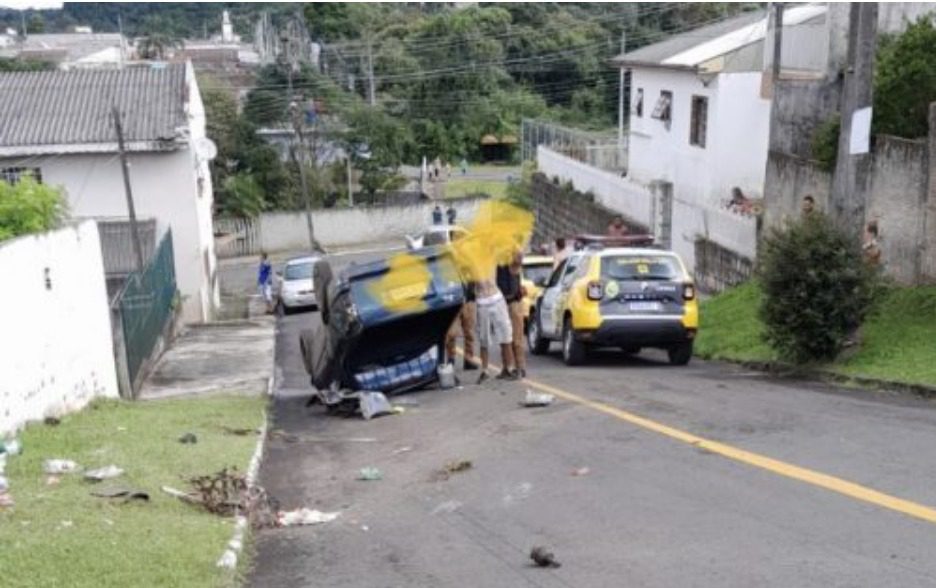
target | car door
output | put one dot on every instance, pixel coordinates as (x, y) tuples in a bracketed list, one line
[(566, 281), (548, 302)]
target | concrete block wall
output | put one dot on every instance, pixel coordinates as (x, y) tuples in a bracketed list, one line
[(562, 211), (56, 352)]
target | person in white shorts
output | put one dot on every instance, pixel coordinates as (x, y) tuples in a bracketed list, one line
[(494, 328)]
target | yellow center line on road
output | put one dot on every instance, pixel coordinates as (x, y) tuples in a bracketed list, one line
[(782, 468)]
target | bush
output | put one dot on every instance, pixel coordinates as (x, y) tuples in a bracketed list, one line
[(905, 81), (825, 143), (817, 289), (29, 207)]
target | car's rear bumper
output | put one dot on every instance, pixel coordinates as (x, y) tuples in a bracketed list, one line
[(637, 332), (300, 300)]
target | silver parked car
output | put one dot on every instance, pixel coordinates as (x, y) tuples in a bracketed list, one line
[(294, 285)]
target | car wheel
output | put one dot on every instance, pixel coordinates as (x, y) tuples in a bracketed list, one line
[(681, 353), (535, 341), (574, 351)]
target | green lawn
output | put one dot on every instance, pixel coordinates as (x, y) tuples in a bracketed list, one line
[(898, 341), (60, 535), (457, 187)]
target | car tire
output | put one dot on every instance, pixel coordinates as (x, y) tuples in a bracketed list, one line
[(321, 279), (538, 344), (574, 351), (680, 354)]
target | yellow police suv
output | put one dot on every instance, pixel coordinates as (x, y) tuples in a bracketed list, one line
[(617, 292)]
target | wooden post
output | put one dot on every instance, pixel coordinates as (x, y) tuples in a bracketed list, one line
[(125, 166)]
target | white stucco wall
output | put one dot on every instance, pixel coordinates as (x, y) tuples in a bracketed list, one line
[(56, 352), (164, 187), (287, 231)]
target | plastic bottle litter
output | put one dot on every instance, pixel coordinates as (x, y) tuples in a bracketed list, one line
[(304, 516), (104, 473), (59, 466), (370, 474)]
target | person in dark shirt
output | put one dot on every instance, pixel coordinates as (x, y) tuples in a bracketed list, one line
[(437, 215), (511, 286), (450, 215)]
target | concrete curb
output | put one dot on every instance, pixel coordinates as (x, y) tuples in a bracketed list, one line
[(779, 370), (235, 546)]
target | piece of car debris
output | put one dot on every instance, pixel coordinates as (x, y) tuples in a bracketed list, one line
[(104, 473), (535, 399), (240, 432), (370, 474), (59, 466), (452, 467), (544, 558), (579, 472), (304, 516), (127, 494), (188, 439)]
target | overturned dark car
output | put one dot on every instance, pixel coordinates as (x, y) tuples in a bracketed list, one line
[(383, 323)]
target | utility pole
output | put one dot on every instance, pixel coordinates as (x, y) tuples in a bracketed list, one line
[(851, 182), (125, 166), (778, 41), (371, 90), (621, 95), (303, 181), (350, 190)]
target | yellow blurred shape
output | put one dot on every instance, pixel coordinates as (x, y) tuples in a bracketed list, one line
[(404, 286), (498, 231)]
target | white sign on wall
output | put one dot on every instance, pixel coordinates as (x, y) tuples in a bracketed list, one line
[(860, 132)]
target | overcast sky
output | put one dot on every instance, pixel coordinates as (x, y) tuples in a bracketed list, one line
[(21, 4)]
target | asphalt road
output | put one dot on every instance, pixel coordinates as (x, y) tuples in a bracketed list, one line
[(699, 476)]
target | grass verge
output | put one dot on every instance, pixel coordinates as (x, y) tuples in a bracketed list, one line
[(456, 188), (60, 535), (898, 340)]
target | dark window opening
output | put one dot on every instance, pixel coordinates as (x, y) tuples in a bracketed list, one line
[(13, 175), (699, 121), (638, 103), (664, 107)]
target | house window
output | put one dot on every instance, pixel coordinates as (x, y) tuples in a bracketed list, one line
[(638, 102), (699, 121), (15, 174), (664, 107)]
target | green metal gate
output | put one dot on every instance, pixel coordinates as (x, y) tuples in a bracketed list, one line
[(145, 305)]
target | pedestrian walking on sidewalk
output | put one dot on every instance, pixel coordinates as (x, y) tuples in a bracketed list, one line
[(437, 215), (265, 281), (510, 284)]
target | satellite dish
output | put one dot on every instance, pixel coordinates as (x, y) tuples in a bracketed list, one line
[(206, 149)]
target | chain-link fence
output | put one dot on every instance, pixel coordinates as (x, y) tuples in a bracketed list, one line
[(601, 150)]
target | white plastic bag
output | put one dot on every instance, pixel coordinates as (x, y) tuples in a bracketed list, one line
[(374, 404)]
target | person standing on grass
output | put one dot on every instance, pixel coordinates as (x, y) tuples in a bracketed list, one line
[(265, 281), (510, 284), (494, 328)]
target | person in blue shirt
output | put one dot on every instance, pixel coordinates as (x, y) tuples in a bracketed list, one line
[(437, 215), (265, 281)]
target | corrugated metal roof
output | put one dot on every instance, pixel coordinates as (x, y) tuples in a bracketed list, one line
[(657, 53), (68, 111)]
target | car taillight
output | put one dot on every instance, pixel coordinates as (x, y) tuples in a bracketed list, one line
[(688, 292), (595, 291)]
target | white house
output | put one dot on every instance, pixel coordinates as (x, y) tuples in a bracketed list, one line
[(699, 119), (59, 126)]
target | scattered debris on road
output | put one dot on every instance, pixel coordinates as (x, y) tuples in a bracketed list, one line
[(304, 516), (188, 439), (60, 466), (404, 449), (535, 399), (373, 404), (52, 421), (544, 558), (104, 473), (452, 467), (446, 507), (370, 474), (579, 472), (226, 493)]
